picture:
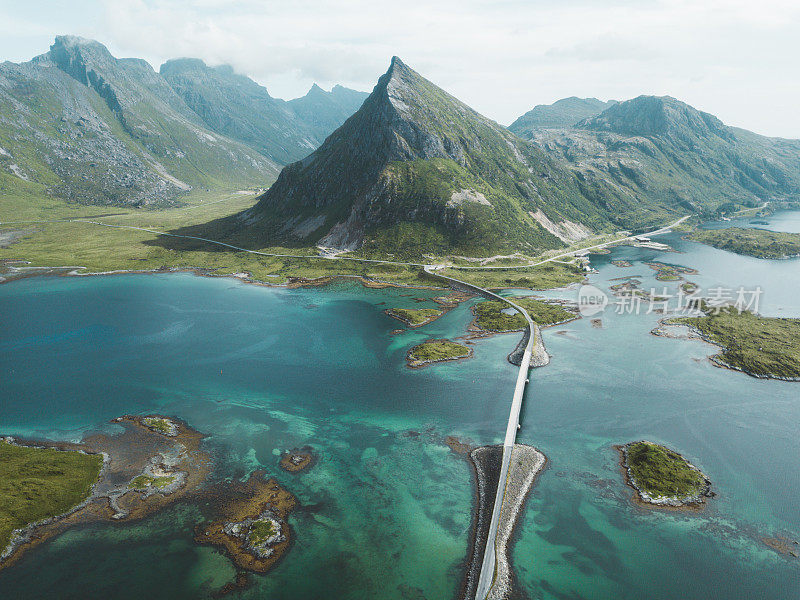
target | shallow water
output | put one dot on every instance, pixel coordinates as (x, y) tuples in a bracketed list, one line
[(263, 369)]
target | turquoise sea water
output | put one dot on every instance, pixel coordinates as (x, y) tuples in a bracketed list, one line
[(386, 515)]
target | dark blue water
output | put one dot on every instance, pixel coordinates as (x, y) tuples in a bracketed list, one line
[(264, 369)]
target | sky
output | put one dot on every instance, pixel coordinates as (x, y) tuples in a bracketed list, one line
[(737, 59)]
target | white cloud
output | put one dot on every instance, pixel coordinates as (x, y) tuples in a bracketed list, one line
[(734, 58)]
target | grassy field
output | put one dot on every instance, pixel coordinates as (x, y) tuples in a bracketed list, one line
[(492, 315), (62, 236), (760, 243), (659, 471), (37, 483), (438, 350), (547, 276), (759, 346)]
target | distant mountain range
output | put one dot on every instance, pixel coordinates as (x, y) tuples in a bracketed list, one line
[(80, 124), (408, 170), (561, 114), (416, 171)]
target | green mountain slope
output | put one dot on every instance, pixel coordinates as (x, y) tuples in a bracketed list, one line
[(416, 171), (80, 124), (656, 156), (238, 107), (562, 113)]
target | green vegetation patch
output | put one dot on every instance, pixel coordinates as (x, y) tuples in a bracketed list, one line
[(436, 350), (261, 531), (760, 243), (659, 471), (543, 277), (38, 483), (145, 481), (494, 315), (161, 425), (415, 317), (759, 346)]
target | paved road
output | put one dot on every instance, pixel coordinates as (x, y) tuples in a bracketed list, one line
[(582, 250)]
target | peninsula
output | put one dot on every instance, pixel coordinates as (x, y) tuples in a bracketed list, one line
[(760, 243), (763, 347)]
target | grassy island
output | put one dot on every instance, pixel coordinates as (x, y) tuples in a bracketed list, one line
[(415, 317), (665, 272), (760, 243), (662, 476), (436, 351), (759, 346), (494, 315), (39, 483)]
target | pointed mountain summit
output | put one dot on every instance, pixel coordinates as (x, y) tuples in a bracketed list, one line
[(415, 170)]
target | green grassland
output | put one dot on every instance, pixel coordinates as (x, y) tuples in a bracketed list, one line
[(260, 531), (415, 316), (547, 276), (37, 483), (435, 350), (659, 471), (61, 236), (759, 346), (490, 315), (760, 243)]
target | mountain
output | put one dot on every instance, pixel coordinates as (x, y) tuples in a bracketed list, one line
[(238, 107), (654, 154), (414, 170), (80, 124), (562, 113), (323, 111)]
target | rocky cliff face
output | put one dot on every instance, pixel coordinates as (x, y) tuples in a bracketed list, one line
[(415, 168), (78, 123), (238, 107)]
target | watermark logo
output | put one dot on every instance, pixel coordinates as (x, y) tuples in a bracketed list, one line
[(630, 299), (591, 300)]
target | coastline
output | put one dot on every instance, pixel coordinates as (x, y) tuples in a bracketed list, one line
[(715, 359)]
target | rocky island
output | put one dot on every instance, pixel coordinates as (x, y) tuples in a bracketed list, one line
[(297, 460), (415, 317), (662, 478), (250, 524), (435, 351)]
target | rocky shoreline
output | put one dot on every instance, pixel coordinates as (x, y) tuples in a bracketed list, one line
[(143, 471)]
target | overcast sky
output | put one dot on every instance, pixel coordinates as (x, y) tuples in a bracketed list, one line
[(737, 59)]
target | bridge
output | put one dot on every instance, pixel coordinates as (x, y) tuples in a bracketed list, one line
[(489, 563)]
